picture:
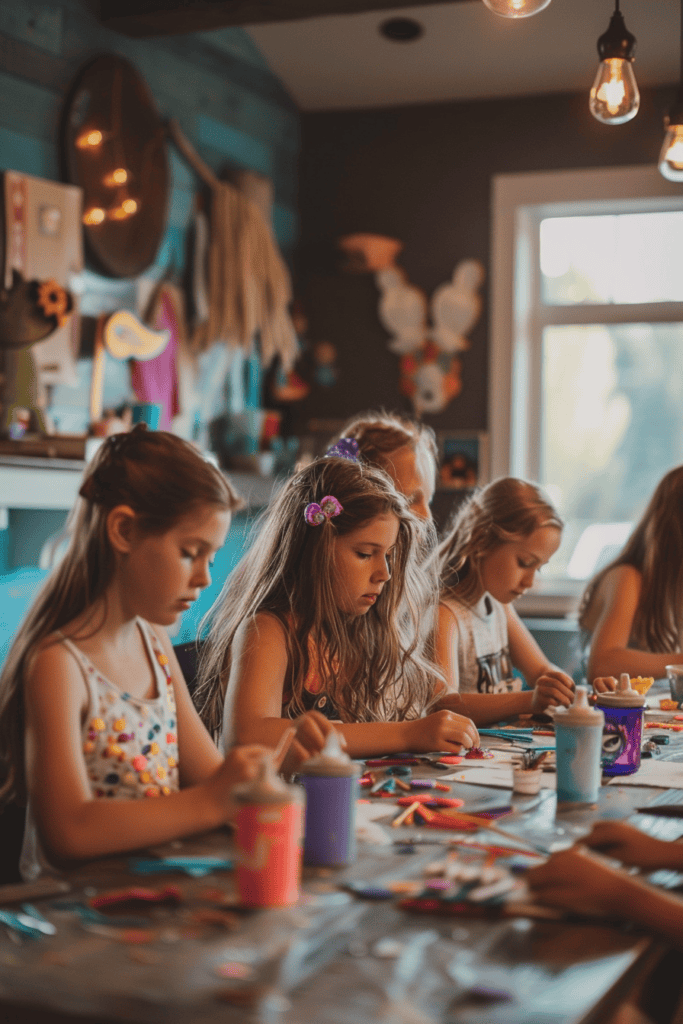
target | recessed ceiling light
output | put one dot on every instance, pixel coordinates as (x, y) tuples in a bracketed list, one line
[(401, 30)]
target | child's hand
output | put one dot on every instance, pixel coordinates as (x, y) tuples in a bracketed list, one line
[(312, 729), (580, 881), (241, 764), (442, 730), (552, 689), (631, 846), (603, 684)]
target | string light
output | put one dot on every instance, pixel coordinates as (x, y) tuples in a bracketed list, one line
[(95, 215), (116, 177), (90, 139)]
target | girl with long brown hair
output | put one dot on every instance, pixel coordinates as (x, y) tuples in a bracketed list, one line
[(632, 610), (498, 541), (332, 609), (95, 716)]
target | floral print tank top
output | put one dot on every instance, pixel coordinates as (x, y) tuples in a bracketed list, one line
[(130, 745)]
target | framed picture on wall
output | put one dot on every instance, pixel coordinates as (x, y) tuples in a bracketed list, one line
[(463, 459)]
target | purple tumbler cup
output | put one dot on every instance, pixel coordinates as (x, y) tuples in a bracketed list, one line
[(331, 784), (623, 730)]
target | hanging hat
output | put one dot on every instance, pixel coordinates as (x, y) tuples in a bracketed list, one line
[(31, 310)]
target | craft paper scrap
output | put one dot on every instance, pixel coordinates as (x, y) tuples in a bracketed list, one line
[(368, 830), (666, 774), (498, 776)]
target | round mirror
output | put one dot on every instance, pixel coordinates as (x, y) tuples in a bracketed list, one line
[(114, 148)]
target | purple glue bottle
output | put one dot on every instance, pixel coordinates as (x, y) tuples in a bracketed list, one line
[(623, 731), (331, 783)]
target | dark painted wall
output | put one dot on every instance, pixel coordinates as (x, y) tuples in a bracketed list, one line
[(423, 174)]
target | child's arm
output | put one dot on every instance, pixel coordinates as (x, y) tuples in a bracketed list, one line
[(253, 709), (482, 708), (74, 825), (554, 687), (581, 881), (610, 654)]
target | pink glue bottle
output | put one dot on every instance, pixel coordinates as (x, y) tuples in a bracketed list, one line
[(268, 839)]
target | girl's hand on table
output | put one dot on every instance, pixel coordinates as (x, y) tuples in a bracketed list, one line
[(631, 846), (312, 730), (552, 689), (581, 881), (441, 730), (604, 684)]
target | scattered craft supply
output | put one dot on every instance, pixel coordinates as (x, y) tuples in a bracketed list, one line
[(196, 867), (170, 894), (478, 754)]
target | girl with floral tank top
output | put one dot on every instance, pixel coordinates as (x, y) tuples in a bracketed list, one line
[(98, 732)]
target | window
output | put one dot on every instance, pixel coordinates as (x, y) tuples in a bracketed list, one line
[(587, 350)]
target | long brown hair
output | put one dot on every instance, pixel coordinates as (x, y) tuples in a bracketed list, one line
[(384, 670), (655, 549), (163, 479), (503, 511)]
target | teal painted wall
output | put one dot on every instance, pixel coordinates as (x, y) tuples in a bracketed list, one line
[(217, 84)]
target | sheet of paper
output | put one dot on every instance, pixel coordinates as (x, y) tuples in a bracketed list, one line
[(666, 774), (368, 829)]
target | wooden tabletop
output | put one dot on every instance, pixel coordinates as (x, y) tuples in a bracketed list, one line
[(334, 958)]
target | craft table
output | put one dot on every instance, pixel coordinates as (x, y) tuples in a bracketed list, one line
[(334, 958)]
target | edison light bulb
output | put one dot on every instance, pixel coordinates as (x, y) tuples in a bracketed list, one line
[(516, 8), (614, 97), (671, 155)]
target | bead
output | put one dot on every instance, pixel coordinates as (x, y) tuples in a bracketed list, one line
[(157, 728), (152, 791), (154, 748), (120, 724), (160, 772), (147, 748), (171, 737), (162, 659), (98, 724), (111, 778), (88, 747), (172, 762), (139, 762), (165, 790), (124, 737), (145, 777)]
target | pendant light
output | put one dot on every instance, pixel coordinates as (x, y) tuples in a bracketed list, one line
[(516, 8), (614, 97), (671, 155)]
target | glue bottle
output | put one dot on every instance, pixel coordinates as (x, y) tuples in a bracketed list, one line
[(623, 732), (268, 838), (578, 740), (331, 783)]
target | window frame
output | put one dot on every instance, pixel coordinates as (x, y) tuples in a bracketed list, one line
[(518, 317)]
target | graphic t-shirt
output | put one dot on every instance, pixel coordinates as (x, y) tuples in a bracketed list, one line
[(481, 653)]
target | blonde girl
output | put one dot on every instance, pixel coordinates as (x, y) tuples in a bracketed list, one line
[(632, 611), (499, 540), (331, 609), (403, 448), (97, 728)]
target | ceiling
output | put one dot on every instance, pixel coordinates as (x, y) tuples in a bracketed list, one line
[(340, 61)]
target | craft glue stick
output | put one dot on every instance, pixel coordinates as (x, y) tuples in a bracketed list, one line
[(331, 783), (268, 839)]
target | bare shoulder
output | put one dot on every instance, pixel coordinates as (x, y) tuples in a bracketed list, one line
[(264, 629), (619, 580), (52, 670)]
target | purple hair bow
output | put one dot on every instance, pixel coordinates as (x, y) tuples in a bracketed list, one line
[(328, 508), (345, 448)]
